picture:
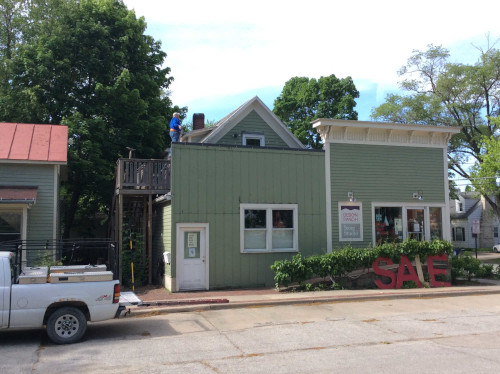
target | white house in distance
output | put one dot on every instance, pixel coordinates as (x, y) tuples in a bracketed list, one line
[(470, 207)]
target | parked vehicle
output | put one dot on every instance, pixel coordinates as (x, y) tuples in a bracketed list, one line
[(496, 248), (62, 298)]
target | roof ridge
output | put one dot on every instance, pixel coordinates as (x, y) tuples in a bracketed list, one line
[(12, 141)]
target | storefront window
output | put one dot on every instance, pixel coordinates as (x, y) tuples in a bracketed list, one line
[(388, 224), (436, 223), (397, 223)]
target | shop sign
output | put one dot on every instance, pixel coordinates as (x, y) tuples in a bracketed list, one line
[(350, 222), (402, 275)]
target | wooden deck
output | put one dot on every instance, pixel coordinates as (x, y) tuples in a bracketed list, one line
[(142, 177)]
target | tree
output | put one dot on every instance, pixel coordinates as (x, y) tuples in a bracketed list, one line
[(484, 175), (440, 92), (303, 100), (88, 64)]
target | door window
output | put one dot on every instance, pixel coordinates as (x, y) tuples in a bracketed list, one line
[(192, 245), (415, 224)]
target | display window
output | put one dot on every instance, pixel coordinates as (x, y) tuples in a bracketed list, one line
[(395, 223), (388, 224)]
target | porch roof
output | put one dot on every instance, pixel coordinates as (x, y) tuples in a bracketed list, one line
[(18, 194)]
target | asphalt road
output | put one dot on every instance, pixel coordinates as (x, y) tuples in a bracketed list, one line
[(454, 334)]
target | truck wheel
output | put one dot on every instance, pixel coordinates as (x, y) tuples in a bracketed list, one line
[(66, 325)]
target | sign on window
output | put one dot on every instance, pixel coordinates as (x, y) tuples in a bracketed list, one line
[(350, 222)]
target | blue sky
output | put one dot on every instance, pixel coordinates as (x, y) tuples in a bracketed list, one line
[(222, 53)]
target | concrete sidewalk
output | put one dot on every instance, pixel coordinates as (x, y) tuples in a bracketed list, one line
[(209, 300)]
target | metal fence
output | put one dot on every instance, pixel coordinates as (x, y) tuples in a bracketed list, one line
[(32, 253)]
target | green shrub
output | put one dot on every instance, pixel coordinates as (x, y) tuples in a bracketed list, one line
[(337, 264), (466, 266)]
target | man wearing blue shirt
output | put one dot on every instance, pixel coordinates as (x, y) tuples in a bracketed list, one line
[(175, 130)]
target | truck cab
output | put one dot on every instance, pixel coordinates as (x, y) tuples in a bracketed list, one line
[(62, 298)]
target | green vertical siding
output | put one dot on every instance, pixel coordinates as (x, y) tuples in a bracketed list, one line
[(162, 232), (41, 218), (253, 123), (383, 174), (210, 183)]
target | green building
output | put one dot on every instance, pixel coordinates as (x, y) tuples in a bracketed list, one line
[(31, 157), (246, 193)]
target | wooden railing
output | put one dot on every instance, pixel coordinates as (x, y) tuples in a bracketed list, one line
[(148, 175)]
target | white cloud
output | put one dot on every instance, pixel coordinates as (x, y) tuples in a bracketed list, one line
[(218, 48)]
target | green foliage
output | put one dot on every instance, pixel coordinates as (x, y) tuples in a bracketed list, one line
[(45, 258), (440, 92), (303, 100), (465, 267), (87, 64), (409, 284), (137, 256), (468, 267), (337, 264), (486, 172)]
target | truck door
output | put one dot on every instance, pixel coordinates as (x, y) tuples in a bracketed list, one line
[(2, 290), (5, 270)]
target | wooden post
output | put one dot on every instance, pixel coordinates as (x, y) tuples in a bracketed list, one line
[(150, 238), (144, 224), (119, 242)]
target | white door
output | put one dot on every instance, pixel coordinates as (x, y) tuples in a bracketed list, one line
[(192, 256)]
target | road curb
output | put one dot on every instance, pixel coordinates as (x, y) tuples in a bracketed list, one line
[(200, 306)]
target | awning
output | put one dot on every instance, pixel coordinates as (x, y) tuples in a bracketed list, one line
[(18, 194)]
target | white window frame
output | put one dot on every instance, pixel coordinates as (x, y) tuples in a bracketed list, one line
[(260, 137), (269, 227), (404, 207)]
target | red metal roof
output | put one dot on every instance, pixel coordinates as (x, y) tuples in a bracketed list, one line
[(16, 194), (31, 142)]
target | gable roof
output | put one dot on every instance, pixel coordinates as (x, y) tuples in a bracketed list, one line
[(232, 119), (33, 143), (463, 215)]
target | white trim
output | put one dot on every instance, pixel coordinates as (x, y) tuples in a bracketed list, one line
[(446, 213), (384, 125), (380, 133), (180, 251), (349, 203), (328, 186), (388, 143), (5, 161), (249, 135), (269, 228)]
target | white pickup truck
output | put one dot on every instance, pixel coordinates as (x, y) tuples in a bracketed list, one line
[(63, 298)]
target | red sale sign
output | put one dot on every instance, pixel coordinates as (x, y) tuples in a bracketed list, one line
[(406, 272)]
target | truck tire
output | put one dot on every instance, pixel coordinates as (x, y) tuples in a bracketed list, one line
[(66, 325)]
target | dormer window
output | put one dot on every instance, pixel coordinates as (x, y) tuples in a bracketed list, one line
[(254, 139), (459, 206)]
